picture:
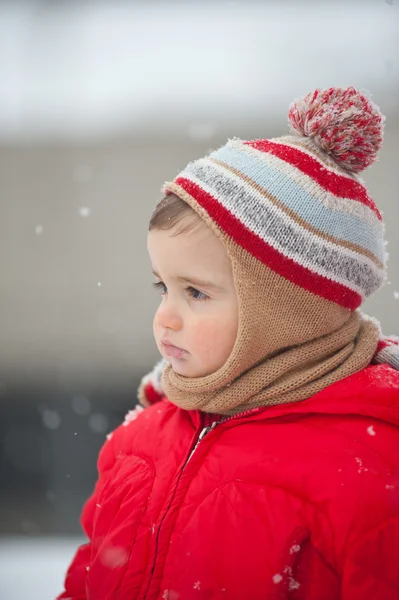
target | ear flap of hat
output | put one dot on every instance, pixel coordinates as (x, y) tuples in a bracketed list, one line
[(150, 390), (388, 352)]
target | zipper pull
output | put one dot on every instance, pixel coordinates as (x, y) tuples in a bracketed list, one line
[(206, 430), (201, 437)]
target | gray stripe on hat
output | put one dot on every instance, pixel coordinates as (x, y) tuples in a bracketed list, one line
[(388, 355), (259, 216)]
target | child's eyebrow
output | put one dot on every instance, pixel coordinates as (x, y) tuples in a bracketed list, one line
[(195, 282)]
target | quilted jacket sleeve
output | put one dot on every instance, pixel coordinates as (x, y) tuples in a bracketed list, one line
[(371, 565), (75, 581)]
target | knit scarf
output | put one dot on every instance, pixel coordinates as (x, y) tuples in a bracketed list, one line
[(290, 344), (293, 374)]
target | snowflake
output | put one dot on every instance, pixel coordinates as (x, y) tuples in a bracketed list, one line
[(39, 229), (51, 419), (88, 568), (197, 585), (361, 469), (277, 578), (84, 211), (292, 584), (132, 415), (389, 487), (370, 430), (295, 548), (396, 295), (109, 436), (165, 595)]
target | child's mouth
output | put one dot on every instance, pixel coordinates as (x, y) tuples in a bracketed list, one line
[(172, 351)]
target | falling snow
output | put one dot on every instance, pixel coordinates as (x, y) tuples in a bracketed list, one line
[(396, 295), (51, 419), (114, 557), (99, 284), (389, 487), (39, 229), (277, 578), (295, 548), (197, 585), (84, 211), (370, 430), (98, 423)]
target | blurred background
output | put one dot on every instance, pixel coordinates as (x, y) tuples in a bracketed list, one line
[(100, 103)]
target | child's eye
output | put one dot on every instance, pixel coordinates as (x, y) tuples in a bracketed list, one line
[(160, 287), (196, 294)]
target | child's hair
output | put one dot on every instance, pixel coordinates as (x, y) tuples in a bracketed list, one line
[(170, 211)]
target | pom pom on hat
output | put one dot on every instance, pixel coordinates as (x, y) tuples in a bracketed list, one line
[(342, 122), (293, 202)]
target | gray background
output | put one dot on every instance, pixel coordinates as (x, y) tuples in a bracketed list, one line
[(100, 103)]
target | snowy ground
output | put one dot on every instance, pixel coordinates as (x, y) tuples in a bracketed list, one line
[(34, 568)]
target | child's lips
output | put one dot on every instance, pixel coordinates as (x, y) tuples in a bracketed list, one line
[(173, 351)]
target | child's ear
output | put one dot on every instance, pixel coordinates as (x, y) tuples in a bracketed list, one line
[(150, 390)]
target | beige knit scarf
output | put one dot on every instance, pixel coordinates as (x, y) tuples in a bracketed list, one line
[(290, 344)]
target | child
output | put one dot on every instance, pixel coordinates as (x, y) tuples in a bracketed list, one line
[(269, 469)]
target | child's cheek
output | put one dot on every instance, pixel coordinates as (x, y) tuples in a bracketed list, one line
[(206, 336)]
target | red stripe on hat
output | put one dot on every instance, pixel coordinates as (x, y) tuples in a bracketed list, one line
[(252, 243), (381, 345), (386, 342), (335, 184)]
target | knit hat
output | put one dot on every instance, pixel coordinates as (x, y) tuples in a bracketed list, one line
[(306, 242)]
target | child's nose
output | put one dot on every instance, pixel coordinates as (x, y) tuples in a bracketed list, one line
[(168, 317)]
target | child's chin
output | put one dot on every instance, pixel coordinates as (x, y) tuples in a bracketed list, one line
[(184, 369)]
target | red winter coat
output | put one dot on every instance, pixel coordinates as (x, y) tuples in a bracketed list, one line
[(299, 501)]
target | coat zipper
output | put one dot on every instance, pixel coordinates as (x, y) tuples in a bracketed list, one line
[(201, 436), (206, 430)]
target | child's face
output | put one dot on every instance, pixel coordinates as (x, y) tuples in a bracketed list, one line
[(195, 326)]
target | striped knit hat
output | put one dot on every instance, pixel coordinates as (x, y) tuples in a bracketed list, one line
[(306, 243), (295, 202)]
